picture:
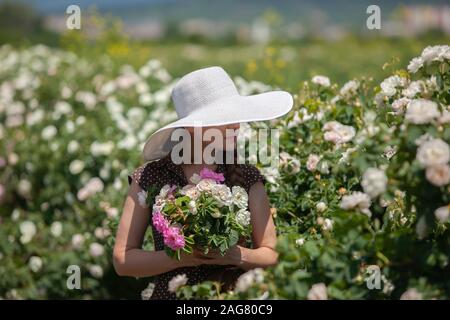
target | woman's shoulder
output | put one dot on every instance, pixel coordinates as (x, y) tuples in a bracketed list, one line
[(147, 173), (251, 175)]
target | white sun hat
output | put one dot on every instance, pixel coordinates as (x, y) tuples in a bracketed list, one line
[(208, 97)]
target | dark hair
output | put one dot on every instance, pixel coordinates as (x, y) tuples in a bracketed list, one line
[(233, 172)]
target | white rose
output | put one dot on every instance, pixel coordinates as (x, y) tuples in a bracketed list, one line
[(311, 163), (349, 88), (222, 194), (433, 152), (49, 132), (442, 214), (271, 174), (101, 149), (243, 217), (337, 132), (164, 191), (240, 197), (388, 86), (191, 191), (177, 282), (76, 166), (192, 207), (77, 241), (35, 263), (147, 293), (56, 229), (318, 292), (321, 206), (411, 294), (96, 271), (28, 230), (420, 111), (439, 175), (300, 241), (321, 81), (327, 225), (414, 88), (357, 200), (435, 53), (96, 249), (206, 185), (24, 188), (400, 105), (374, 182), (415, 64), (249, 278), (142, 198)]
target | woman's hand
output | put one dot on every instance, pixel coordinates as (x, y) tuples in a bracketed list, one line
[(198, 257), (233, 256)]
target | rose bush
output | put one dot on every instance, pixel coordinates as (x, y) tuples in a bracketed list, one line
[(360, 197)]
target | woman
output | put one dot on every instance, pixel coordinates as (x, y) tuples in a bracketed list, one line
[(205, 99)]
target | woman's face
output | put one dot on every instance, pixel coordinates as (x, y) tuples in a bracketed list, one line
[(228, 135)]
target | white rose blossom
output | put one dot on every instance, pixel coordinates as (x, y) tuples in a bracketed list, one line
[(96, 271), (147, 293), (77, 241), (222, 194), (243, 217), (318, 292), (35, 263), (96, 249), (177, 282), (421, 111), (327, 225), (374, 182), (439, 175), (442, 214), (311, 163), (56, 229), (206, 185), (321, 80), (433, 152), (349, 89), (337, 132), (357, 200), (415, 64), (249, 278), (399, 106), (28, 230), (389, 85), (321, 206), (411, 294), (142, 198), (240, 197)]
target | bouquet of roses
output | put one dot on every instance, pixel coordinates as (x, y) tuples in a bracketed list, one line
[(205, 214)]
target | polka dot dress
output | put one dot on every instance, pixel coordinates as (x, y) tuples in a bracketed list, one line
[(164, 171)]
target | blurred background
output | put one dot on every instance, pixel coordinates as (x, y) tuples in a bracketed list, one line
[(76, 106), (302, 38)]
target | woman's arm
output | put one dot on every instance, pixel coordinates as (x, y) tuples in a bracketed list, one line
[(263, 236), (129, 258)]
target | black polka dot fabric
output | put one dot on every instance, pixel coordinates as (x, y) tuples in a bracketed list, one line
[(163, 171)]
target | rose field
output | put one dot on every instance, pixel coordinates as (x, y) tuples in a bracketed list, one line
[(360, 197)]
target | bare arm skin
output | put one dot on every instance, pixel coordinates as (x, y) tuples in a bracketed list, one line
[(129, 258)]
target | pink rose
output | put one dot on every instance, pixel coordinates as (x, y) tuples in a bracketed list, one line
[(160, 223), (205, 173), (173, 238)]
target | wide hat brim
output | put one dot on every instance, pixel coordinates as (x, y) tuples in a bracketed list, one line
[(236, 109)]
